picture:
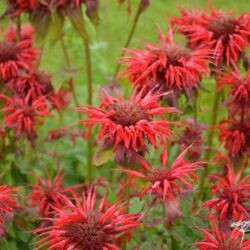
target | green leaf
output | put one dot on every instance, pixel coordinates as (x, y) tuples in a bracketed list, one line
[(102, 156)]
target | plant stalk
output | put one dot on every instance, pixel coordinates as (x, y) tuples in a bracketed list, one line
[(68, 65), (127, 198), (210, 136), (130, 35), (86, 43)]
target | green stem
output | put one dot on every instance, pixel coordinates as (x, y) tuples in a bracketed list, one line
[(86, 43), (127, 198), (130, 35), (210, 137), (18, 24), (195, 107), (68, 65)]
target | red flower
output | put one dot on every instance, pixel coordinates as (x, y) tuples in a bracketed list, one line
[(15, 57), (7, 201), (233, 194), (236, 137), (169, 184), (226, 35), (167, 66), (239, 88), (128, 125), (215, 239), (34, 85), (81, 226), (22, 116), (47, 194)]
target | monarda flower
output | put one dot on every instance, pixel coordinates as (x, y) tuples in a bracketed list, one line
[(34, 85), (169, 184), (127, 126), (7, 201), (22, 116), (236, 137), (166, 66), (233, 194), (239, 89), (81, 226), (15, 57), (216, 239), (226, 35), (46, 195)]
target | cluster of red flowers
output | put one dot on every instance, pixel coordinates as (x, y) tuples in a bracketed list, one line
[(78, 217), (235, 131), (26, 92)]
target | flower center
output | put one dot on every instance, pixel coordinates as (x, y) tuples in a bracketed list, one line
[(158, 175), (127, 113), (221, 25), (175, 53), (8, 51), (86, 235)]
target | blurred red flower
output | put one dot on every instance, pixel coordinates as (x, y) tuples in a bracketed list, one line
[(7, 202), (46, 195), (34, 85), (23, 116), (15, 56), (233, 194), (128, 126), (80, 226), (236, 137), (239, 89), (216, 239), (168, 65), (226, 35)]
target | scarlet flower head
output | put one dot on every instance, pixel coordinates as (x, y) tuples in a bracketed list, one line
[(34, 85), (216, 239), (22, 116), (46, 195), (128, 126), (168, 65), (233, 194), (168, 184), (81, 226), (226, 35), (16, 57), (236, 137), (7, 202), (239, 89)]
